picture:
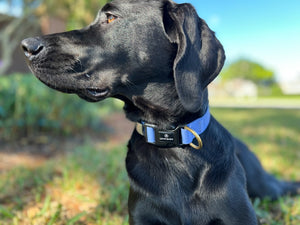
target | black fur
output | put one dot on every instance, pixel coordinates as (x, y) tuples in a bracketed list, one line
[(158, 57)]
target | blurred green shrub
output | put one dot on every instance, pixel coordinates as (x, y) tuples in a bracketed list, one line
[(272, 90), (28, 107)]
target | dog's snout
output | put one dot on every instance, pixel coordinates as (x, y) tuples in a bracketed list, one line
[(32, 47)]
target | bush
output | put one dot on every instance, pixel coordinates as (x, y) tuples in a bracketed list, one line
[(28, 107), (273, 90)]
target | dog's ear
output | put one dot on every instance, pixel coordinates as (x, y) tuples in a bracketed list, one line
[(200, 56)]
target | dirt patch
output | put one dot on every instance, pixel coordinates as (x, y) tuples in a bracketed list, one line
[(120, 126)]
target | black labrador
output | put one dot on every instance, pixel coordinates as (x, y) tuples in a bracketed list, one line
[(158, 57)]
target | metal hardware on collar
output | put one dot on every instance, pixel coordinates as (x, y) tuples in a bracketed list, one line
[(198, 138), (181, 135), (161, 138)]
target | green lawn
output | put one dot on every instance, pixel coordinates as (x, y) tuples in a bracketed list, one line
[(263, 102), (89, 185)]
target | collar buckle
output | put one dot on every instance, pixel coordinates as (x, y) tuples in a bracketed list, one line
[(162, 138)]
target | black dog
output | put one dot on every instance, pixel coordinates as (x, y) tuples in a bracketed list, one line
[(158, 57)]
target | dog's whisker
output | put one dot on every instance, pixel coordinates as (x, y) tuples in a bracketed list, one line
[(79, 61), (128, 83)]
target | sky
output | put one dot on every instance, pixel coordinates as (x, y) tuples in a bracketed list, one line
[(15, 10), (265, 31)]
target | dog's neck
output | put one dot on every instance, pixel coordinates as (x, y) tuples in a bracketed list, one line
[(166, 114)]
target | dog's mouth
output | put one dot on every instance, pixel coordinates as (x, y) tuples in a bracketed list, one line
[(89, 94), (94, 94)]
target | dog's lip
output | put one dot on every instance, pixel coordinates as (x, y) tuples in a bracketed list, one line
[(97, 93), (89, 94)]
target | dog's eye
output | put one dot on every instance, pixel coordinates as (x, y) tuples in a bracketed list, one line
[(110, 18)]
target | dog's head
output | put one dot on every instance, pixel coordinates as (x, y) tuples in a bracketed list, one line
[(130, 46)]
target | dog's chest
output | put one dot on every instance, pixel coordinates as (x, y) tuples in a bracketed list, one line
[(163, 172)]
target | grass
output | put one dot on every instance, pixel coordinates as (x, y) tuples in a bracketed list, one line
[(263, 102), (90, 185), (273, 135)]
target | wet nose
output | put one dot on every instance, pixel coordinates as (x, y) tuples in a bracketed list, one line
[(32, 47)]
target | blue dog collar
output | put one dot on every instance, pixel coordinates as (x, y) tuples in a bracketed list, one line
[(181, 135)]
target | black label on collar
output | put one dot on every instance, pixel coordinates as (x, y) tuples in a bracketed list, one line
[(166, 136)]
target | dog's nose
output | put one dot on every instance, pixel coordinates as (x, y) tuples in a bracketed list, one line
[(32, 47)]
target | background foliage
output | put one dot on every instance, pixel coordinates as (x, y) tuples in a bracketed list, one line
[(248, 70), (76, 15), (27, 107)]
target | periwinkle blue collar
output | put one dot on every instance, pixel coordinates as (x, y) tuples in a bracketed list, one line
[(181, 135)]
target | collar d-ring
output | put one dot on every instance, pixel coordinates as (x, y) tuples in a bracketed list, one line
[(198, 138)]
